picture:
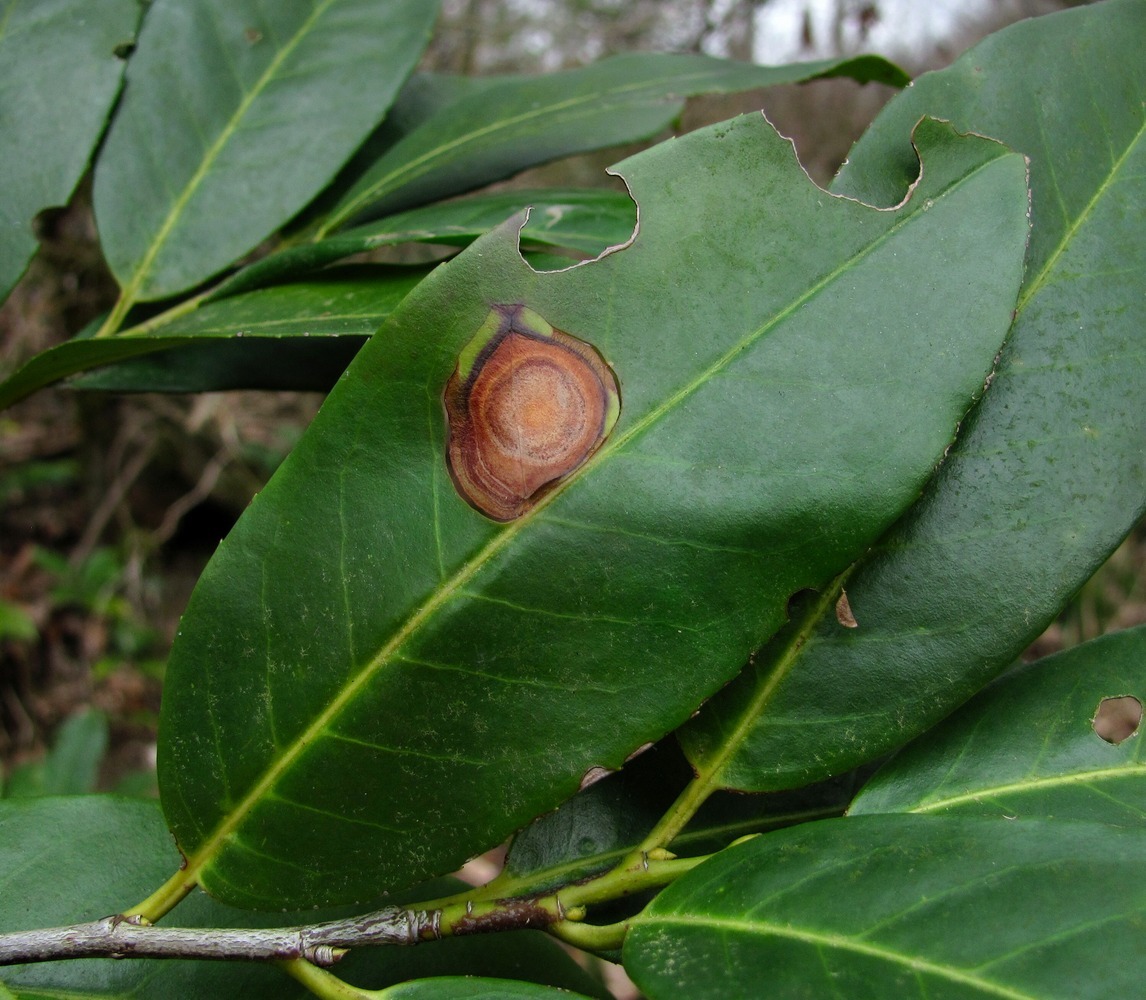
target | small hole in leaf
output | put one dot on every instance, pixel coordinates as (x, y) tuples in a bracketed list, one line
[(1118, 719), (799, 602), (123, 50)]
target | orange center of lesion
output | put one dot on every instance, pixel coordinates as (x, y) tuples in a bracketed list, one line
[(537, 412)]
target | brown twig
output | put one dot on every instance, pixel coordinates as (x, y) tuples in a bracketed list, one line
[(120, 937)]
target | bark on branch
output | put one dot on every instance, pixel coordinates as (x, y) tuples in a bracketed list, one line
[(120, 937)]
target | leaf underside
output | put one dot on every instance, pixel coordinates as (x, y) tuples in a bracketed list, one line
[(517, 122), (435, 680), (1048, 474), (1027, 747), (286, 337), (227, 91), (59, 75), (920, 907)]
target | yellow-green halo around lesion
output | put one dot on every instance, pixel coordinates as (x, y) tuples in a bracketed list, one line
[(527, 406)]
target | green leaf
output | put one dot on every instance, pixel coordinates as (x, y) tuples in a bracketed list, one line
[(422, 96), (585, 220), (474, 989), (596, 828), (59, 74), (288, 337), (15, 622), (1027, 747), (523, 121), (64, 860), (1049, 472), (943, 908), (67, 860), (600, 825), (71, 766), (434, 680), (235, 114)]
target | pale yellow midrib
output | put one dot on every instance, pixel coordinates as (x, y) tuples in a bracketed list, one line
[(1036, 283), (412, 168), (843, 943), (1033, 785), (204, 854), (179, 206)]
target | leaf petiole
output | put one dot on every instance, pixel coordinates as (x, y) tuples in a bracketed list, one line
[(164, 899), (323, 984)]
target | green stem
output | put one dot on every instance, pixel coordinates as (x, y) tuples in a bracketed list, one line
[(595, 938), (560, 912), (679, 814), (481, 904), (164, 899), (710, 774), (325, 984), (647, 873), (115, 318), (168, 315)]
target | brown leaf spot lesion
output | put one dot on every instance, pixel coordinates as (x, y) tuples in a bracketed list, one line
[(527, 406)]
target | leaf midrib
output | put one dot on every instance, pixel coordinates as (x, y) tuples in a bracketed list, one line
[(54, 993), (1130, 770), (179, 205), (420, 165), (204, 854), (1033, 287), (838, 942)]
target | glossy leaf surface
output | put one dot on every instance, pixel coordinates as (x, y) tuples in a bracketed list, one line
[(422, 96), (928, 907), (522, 121), (600, 825), (1049, 472), (474, 989), (235, 115), (69, 860), (587, 221), (1027, 747), (433, 680), (287, 337), (59, 74)]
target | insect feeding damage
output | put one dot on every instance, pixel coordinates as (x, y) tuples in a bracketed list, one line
[(527, 405)]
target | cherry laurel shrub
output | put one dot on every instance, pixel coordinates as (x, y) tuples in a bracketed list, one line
[(682, 537)]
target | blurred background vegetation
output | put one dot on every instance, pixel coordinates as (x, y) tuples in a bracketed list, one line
[(111, 505)]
